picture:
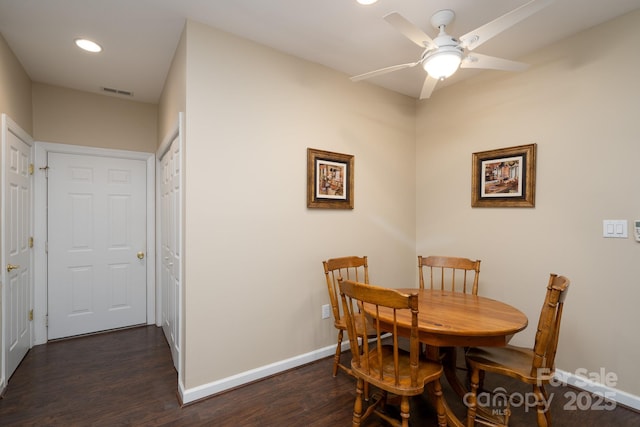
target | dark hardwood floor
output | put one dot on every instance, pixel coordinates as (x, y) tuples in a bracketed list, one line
[(126, 378)]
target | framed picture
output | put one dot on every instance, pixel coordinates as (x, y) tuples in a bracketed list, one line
[(329, 180), (505, 177)]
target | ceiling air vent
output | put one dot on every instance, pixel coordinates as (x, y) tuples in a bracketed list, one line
[(117, 91)]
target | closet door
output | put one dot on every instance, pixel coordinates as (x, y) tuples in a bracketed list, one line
[(171, 245)]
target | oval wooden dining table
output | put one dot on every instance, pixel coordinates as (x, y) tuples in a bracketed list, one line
[(455, 319)]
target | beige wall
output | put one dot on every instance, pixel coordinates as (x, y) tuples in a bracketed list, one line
[(80, 118), (254, 282), (172, 102), (15, 89), (580, 104), (173, 99)]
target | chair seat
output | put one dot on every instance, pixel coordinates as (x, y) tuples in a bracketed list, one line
[(427, 372), (512, 361)]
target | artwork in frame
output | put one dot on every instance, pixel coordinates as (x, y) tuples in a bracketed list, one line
[(329, 180), (505, 177)]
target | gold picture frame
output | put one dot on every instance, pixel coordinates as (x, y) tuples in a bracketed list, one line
[(505, 177), (329, 180)]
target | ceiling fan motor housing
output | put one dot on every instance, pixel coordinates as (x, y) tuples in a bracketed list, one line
[(445, 59)]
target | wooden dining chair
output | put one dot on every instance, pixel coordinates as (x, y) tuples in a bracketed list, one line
[(532, 366), (386, 365), (349, 267), (449, 273)]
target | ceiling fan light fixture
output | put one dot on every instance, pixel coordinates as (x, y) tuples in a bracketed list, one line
[(443, 63)]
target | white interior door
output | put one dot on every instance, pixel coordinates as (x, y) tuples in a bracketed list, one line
[(170, 247), (16, 243), (96, 243)]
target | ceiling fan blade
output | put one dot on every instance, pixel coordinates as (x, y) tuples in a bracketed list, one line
[(476, 60), (409, 30), (428, 86), (475, 38), (383, 71)]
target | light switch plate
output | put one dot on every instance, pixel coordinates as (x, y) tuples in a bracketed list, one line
[(616, 228)]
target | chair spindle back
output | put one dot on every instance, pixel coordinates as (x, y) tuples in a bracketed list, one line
[(449, 273), (349, 268), (354, 296)]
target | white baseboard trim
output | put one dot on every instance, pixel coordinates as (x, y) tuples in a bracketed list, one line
[(207, 390), (620, 397)]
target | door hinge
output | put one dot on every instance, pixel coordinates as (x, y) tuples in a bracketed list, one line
[(30, 168), (46, 321), (31, 314), (30, 242)]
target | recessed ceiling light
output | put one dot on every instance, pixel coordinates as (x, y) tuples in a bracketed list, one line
[(366, 2), (88, 45)]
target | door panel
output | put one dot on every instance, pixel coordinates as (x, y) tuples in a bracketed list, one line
[(18, 257), (97, 228), (170, 190)]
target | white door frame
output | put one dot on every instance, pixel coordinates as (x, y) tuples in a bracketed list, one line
[(40, 227)]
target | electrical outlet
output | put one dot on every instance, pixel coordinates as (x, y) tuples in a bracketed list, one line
[(326, 311)]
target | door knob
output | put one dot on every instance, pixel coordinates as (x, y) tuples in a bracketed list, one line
[(12, 267), (140, 255)]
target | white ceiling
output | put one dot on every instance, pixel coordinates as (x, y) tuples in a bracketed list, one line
[(140, 36)]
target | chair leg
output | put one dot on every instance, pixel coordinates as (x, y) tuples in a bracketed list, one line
[(541, 401), (336, 358), (404, 411), (471, 400), (357, 406), (437, 392), (547, 401)]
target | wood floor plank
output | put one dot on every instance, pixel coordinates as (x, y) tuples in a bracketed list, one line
[(126, 378)]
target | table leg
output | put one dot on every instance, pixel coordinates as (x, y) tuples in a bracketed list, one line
[(450, 366), (448, 360)]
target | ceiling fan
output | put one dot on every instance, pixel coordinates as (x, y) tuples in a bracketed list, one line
[(444, 54)]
